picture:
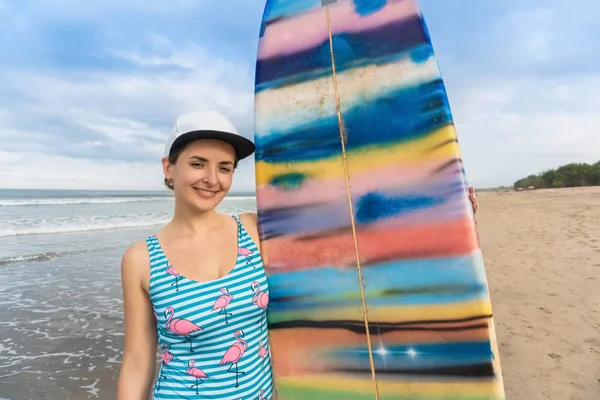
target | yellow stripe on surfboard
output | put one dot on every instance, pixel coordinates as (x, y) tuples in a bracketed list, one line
[(366, 158), (451, 311), (486, 389)]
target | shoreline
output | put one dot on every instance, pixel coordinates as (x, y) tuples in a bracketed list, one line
[(158, 192)]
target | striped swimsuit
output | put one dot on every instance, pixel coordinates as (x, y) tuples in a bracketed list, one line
[(213, 335)]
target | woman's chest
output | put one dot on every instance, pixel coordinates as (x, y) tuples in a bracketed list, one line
[(204, 264), (241, 299)]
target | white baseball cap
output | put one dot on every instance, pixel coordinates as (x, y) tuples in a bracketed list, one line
[(207, 125)]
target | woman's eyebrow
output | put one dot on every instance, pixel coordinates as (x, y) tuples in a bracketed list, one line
[(227, 162), (199, 158)]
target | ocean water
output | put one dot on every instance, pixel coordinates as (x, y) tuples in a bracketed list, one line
[(61, 327)]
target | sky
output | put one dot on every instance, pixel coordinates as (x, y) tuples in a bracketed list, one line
[(90, 90)]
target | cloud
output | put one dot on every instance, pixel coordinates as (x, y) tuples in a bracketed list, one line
[(107, 122), (106, 126), (509, 128), (522, 98), (533, 33), (90, 91), (35, 169)]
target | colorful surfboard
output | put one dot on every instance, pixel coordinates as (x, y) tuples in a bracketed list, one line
[(378, 288)]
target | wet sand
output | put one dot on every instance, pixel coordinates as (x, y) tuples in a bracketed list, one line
[(60, 327), (542, 254)]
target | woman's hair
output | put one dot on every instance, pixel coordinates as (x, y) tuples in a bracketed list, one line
[(174, 156)]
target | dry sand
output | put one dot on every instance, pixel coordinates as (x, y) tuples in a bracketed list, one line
[(542, 253)]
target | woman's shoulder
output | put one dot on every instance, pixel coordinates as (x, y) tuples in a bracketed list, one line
[(249, 217), (136, 253), (135, 263)]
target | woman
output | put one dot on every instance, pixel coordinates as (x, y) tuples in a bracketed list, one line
[(198, 286)]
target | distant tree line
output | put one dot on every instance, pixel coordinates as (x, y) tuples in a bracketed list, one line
[(569, 175)]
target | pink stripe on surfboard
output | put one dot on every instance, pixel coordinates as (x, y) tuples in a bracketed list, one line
[(325, 190), (291, 35)]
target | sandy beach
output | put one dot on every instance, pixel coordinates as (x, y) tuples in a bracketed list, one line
[(542, 253)]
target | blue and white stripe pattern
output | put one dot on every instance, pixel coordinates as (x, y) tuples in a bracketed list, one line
[(213, 335)]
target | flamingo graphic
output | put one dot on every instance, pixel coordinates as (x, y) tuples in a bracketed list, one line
[(244, 252), (166, 358), (173, 272), (261, 300), (196, 373), (234, 353), (262, 353), (179, 326), (222, 302), (261, 395)]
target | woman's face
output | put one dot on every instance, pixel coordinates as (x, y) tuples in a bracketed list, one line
[(203, 172)]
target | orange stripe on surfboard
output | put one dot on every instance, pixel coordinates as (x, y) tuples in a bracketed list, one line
[(290, 253)]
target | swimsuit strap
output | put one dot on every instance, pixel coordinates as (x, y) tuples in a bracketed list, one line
[(240, 226)]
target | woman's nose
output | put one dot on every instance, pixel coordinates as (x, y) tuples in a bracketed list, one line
[(210, 177)]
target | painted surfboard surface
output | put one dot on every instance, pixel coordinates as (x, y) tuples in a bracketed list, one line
[(378, 288)]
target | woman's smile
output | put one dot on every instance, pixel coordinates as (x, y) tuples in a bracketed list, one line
[(208, 194)]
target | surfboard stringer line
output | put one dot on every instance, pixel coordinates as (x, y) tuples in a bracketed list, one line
[(343, 140)]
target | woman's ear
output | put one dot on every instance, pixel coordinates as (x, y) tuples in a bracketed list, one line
[(166, 167)]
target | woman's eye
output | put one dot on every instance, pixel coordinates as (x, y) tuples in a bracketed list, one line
[(196, 165), (225, 169)]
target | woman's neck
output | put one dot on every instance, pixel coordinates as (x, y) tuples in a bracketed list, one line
[(190, 221)]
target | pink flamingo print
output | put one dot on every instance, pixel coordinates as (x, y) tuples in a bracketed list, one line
[(261, 395), (173, 272), (196, 373), (262, 353), (222, 302), (179, 326), (260, 299), (234, 353), (166, 358), (244, 252)]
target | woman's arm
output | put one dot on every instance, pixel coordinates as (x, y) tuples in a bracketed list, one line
[(139, 354)]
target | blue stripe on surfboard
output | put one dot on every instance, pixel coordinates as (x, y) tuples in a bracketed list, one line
[(368, 7), (438, 279), (404, 115), (374, 206), (396, 37), (287, 8), (368, 208), (399, 275), (420, 356)]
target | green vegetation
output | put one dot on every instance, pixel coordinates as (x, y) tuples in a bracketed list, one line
[(569, 175)]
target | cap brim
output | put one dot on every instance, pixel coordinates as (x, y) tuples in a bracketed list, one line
[(243, 147)]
